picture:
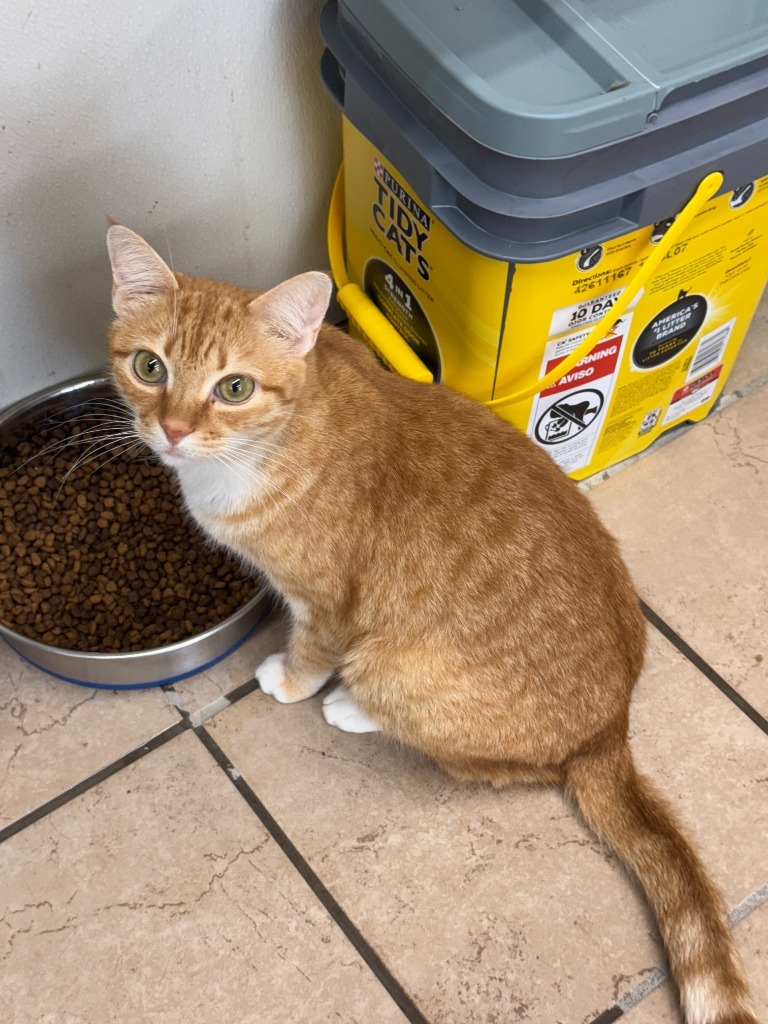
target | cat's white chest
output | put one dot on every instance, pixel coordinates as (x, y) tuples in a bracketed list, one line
[(213, 489)]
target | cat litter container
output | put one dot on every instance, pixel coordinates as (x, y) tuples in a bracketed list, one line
[(559, 209)]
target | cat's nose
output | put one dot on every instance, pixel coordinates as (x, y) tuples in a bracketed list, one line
[(175, 430)]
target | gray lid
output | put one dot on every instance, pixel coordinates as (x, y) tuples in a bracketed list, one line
[(550, 78)]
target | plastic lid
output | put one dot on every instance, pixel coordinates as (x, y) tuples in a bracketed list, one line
[(549, 78)]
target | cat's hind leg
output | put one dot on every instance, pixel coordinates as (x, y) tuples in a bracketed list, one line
[(341, 710)]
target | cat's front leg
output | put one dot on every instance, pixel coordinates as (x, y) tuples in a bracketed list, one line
[(300, 672)]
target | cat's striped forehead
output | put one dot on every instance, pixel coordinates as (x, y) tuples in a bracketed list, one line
[(207, 326)]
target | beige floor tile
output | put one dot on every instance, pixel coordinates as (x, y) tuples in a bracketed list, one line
[(197, 692), (484, 902), (661, 1007), (710, 760), (158, 896), (752, 362), (52, 733), (692, 519)]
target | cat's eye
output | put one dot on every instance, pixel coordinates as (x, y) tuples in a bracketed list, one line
[(235, 388), (149, 368)]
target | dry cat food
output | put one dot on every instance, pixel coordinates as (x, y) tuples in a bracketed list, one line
[(101, 557)]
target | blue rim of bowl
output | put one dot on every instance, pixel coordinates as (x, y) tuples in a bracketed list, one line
[(144, 686)]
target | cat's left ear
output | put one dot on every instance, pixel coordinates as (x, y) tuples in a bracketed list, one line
[(293, 311), (138, 273)]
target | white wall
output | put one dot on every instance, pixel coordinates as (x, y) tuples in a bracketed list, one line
[(202, 125)]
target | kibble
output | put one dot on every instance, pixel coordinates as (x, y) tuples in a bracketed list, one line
[(101, 558)]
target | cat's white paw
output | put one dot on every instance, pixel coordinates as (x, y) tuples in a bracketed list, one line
[(271, 676), (278, 678), (340, 709)]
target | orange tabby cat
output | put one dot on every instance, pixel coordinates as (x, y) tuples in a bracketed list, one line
[(430, 555)]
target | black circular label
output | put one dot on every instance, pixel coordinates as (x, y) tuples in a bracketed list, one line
[(670, 331), (660, 228), (589, 258), (741, 195), (399, 305)]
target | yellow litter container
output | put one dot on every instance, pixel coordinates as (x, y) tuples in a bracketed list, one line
[(534, 214)]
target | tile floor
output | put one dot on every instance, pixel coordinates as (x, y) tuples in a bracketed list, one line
[(171, 855)]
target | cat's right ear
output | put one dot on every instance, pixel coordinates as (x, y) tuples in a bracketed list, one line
[(291, 313), (138, 273)]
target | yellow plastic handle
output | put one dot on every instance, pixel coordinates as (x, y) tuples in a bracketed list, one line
[(396, 353), (706, 189), (373, 325)]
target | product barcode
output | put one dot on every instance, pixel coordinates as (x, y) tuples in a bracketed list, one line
[(710, 349)]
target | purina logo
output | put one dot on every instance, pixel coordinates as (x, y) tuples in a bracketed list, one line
[(400, 219), (401, 195)]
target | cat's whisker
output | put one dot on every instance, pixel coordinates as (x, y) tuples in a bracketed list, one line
[(273, 486), (110, 399), (270, 457), (125, 450), (258, 443), (245, 477), (105, 424), (272, 453), (269, 441), (50, 451), (268, 482), (97, 439), (94, 450), (245, 470), (248, 473), (92, 421), (124, 447), (254, 450), (93, 410)]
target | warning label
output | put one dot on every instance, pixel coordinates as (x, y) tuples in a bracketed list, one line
[(567, 416), (600, 362)]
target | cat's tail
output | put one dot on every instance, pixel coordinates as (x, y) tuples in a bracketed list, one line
[(625, 809)]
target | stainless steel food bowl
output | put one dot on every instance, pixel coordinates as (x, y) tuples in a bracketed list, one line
[(136, 669)]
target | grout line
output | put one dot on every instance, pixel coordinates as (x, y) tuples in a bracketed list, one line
[(202, 715), (337, 913), (752, 902), (243, 690), (210, 710), (175, 699), (658, 975), (159, 740), (654, 980), (704, 667), (608, 1016), (197, 718)]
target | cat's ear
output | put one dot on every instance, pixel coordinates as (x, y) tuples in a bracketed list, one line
[(138, 273), (293, 311)]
